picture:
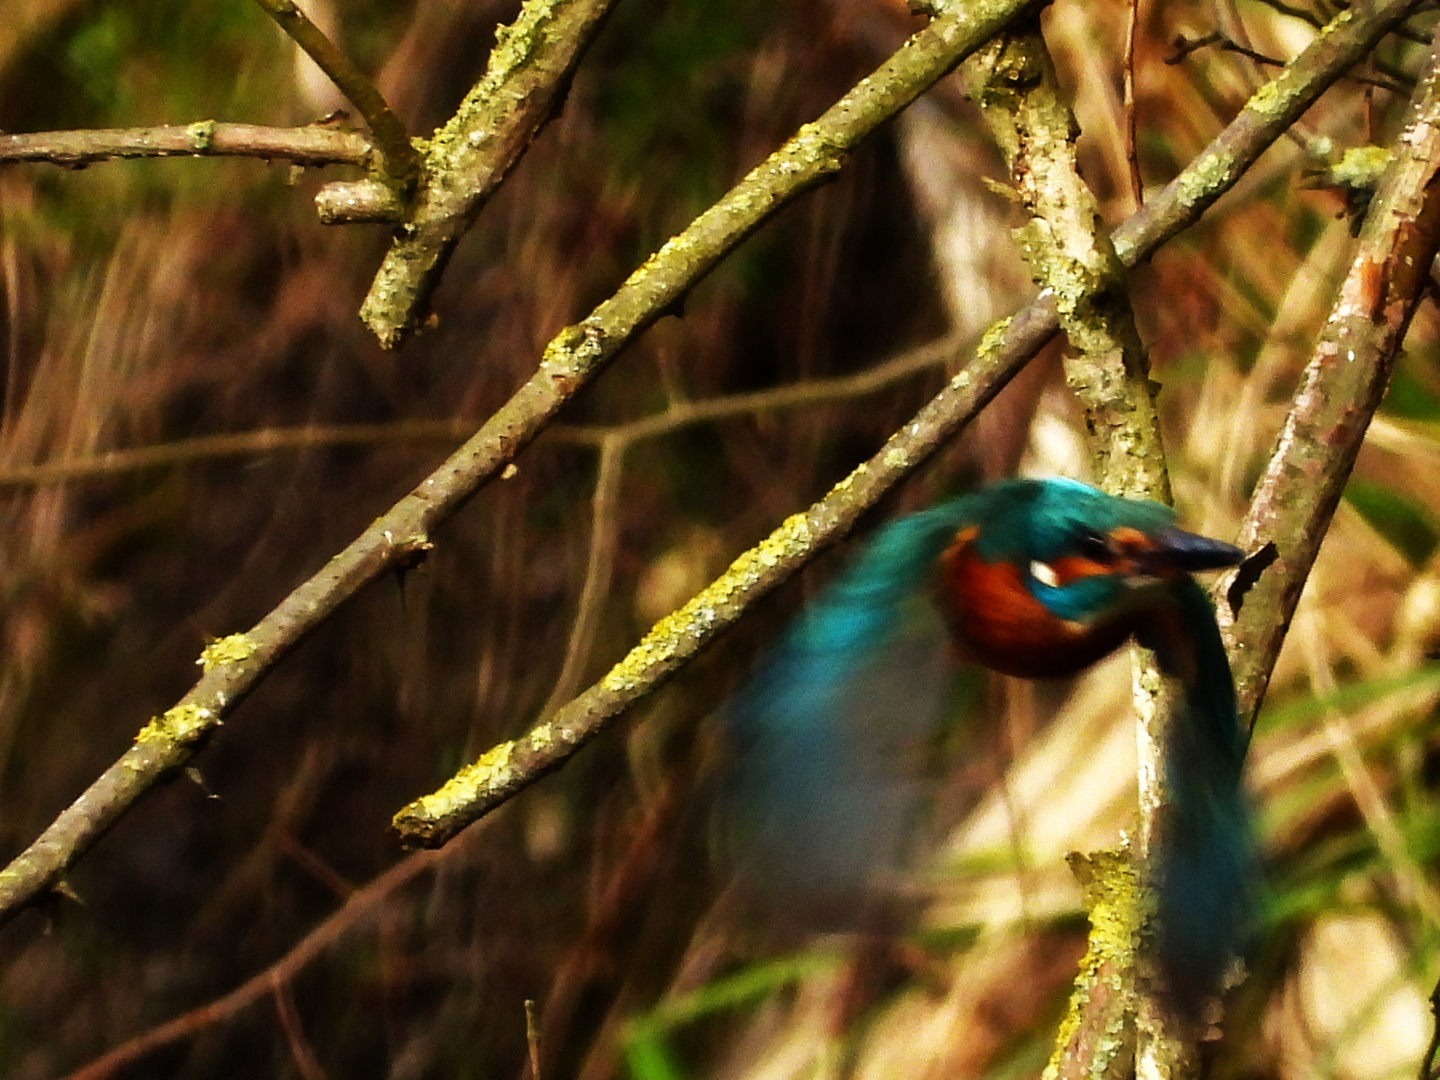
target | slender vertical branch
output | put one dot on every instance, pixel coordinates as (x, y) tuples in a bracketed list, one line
[(1108, 370), (1132, 150)]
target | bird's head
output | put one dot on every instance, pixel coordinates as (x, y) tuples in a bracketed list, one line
[(1044, 577)]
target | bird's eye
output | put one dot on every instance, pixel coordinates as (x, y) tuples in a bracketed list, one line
[(1093, 545)]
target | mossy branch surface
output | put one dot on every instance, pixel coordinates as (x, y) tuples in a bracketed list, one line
[(1340, 390), (507, 768), (1096, 1039), (576, 355), (466, 160), (1069, 254), (1107, 368), (41, 867)]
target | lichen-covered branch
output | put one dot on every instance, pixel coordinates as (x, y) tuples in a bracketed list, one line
[(1070, 256), (1107, 368), (397, 537), (1097, 1034), (401, 536), (510, 767), (398, 160), (1343, 41), (467, 159), (315, 144), (1340, 390), (470, 156)]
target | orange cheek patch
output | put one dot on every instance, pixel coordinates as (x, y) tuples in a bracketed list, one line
[(996, 618)]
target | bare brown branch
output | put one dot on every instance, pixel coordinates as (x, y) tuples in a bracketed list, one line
[(359, 910), (681, 415), (316, 144), (398, 159), (1343, 384)]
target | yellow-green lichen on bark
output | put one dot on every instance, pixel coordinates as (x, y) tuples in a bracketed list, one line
[(668, 638), (896, 458), (201, 135), (1360, 167), (489, 772), (227, 650), (1208, 175), (574, 350), (1115, 904), (811, 146), (993, 340), (1270, 99), (467, 130), (1337, 22), (180, 725)]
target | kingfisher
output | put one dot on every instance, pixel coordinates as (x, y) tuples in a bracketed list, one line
[(1035, 578)]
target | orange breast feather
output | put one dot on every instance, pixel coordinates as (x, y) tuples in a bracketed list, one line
[(997, 621)]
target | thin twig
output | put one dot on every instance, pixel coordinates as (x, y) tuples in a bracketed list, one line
[(532, 1039), (1184, 47), (1395, 81), (1132, 151), (301, 1052), (399, 161), (315, 144), (1305, 15), (310, 436), (1428, 1069), (604, 539)]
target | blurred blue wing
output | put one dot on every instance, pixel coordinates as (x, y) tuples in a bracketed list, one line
[(1206, 863), (824, 741)]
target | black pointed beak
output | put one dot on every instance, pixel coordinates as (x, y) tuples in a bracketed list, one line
[(1176, 549)]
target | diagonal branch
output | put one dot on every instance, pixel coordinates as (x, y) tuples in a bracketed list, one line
[(514, 765), (397, 538), (1341, 388), (361, 908), (680, 415), (400, 537), (467, 159)]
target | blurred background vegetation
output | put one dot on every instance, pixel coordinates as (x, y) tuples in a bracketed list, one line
[(150, 303)]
